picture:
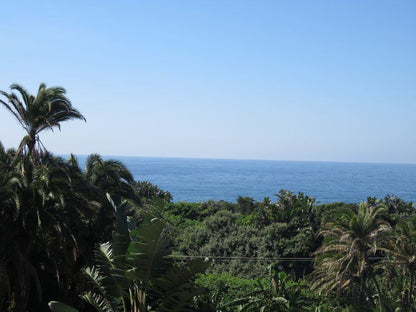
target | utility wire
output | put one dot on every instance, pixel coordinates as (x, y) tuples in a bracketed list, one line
[(279, 259)]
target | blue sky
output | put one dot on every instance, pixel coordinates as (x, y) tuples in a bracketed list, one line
[(286, 80)]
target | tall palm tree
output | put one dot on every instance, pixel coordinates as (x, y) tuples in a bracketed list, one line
[(344, 259), (46, 110), (43, 215)]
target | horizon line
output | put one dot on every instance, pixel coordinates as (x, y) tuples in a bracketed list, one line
[(246, 159)]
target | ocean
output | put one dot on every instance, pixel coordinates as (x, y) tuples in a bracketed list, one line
[(195, 180)]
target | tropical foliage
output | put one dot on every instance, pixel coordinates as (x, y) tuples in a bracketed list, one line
[(344, 259), (94, 239), (134, 273)]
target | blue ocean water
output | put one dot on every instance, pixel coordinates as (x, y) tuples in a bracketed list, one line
[(195, 180)]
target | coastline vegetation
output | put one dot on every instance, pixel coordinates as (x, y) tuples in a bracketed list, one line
[(94, 239)]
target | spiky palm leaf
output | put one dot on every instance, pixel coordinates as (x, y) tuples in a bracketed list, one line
[(109, 176), (401, 248), (108, 282), (349, 241)]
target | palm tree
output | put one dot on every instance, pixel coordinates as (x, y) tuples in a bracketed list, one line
[(402, 247), (44, 215), (350, 240), (16, 270), (149, 191), (109, 176), (46, 110), (43, 227), (112, 177)]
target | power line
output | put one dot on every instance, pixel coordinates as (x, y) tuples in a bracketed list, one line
[(280, 259), (264, 259)]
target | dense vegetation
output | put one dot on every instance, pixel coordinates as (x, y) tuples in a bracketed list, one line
[(96, 240)]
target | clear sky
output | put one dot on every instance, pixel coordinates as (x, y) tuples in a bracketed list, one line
[(286, 80)]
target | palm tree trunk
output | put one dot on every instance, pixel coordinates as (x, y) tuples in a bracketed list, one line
[(362, 290), (373, 278), (367, 293), (32, 141), (20, 298)]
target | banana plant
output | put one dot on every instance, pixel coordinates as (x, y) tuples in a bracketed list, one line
[(134, 273)]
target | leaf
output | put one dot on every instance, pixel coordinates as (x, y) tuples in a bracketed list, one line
[(148, 250), (57, 306), (121, 236)]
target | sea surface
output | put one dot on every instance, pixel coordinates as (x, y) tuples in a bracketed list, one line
[(195, 180)]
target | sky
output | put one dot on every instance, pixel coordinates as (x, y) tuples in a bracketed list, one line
[(284, 80)]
